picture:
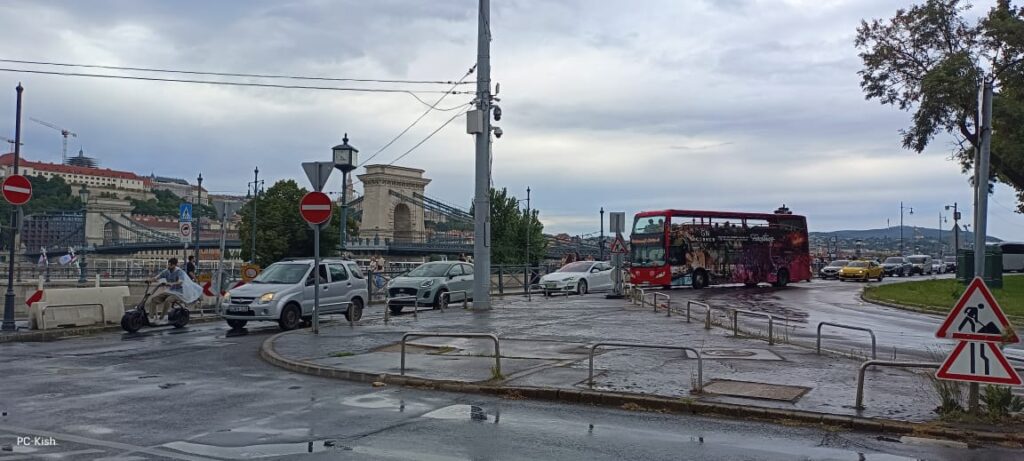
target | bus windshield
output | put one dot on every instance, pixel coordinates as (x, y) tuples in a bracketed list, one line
[(648, 254), (650, 225)]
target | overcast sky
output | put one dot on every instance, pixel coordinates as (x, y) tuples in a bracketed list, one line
[(718, 104)]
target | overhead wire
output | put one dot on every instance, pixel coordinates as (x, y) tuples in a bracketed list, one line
[(232, 74), (424, 114), (427, 138)]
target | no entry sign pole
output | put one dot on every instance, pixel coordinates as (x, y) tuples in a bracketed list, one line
[(315, 208), (8, 322)]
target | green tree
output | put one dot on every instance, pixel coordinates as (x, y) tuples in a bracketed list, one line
[(510, 227), (280, 230), (166, 203), (930, 60)]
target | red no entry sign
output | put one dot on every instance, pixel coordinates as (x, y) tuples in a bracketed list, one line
[(17, 189), (315, 207)]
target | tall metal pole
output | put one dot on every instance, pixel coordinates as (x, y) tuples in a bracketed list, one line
[(8, 322), (901, 228), (600, 242), (529, 259), (981, 210), (344, 212), (198, 218), (941, 250), (255, 195), (316, 279), (482, 193)]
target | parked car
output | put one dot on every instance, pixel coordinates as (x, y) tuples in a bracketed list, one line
[(896, 266), (1013, 256), (950, 263), (832, 269), (579, 277), (938, 266), (862, 270), (424, 285), (284, 293), (922, 264)]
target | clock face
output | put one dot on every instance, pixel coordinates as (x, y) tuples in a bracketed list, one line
[(343, 158)]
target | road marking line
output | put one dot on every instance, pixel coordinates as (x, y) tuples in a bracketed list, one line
[(102, 443), (18, 189)]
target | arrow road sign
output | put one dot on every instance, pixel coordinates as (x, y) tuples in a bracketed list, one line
[(17, 189), (315, 207), (978, 362), (978, 317), (318, 172), (185, 212)]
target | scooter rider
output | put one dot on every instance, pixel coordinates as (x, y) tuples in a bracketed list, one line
[(174, 278)]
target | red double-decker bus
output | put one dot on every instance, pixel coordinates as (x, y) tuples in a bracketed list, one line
[(700, 248)]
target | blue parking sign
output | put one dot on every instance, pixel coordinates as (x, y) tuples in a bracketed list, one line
[(185, 212)]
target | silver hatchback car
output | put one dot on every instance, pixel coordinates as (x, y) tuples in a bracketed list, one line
[(425, 285), (284, 293)]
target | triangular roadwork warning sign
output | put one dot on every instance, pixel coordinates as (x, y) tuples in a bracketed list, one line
[(618, 245), (978, 362), (977, 317)]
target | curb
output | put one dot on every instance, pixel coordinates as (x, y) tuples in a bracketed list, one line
[(904, 307), (645, 402), (50, 335)]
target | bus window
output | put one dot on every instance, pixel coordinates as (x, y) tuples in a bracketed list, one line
[(649, 225)]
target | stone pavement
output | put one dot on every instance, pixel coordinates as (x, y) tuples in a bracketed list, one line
[(545, 344)]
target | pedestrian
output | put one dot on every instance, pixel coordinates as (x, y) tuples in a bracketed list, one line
[(462, 257), (190, 268)]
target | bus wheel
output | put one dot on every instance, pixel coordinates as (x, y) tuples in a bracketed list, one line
[(700, 279), (781, 279)]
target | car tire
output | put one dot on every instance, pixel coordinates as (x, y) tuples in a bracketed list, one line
[(440, 302), (396, 310), (700, 279), (357, 310), (291, 318), (237, 324), (781, 278), (581, 287), (881, 276)]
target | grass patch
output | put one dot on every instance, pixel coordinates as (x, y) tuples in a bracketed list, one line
[(341, 354), (939, 296)]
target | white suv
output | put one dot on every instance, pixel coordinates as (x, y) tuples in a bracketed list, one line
[(284, 291)]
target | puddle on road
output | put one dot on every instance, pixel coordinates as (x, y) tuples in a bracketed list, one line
[(462, 412), (382, 400), (271, 450)]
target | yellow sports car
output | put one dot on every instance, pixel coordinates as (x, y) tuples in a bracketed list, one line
[(862, 270)]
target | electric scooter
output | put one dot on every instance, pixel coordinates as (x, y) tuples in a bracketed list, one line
[(135, 318)]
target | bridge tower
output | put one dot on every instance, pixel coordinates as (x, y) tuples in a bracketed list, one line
[(383, 213), (104, 219)]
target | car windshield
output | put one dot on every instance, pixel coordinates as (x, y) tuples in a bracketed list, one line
[(576, 267), (857, 264), (893, 260), (430, 270), (839, 263), (917, 259), (289, 273)]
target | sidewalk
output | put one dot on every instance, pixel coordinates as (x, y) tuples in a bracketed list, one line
[(545, 344)]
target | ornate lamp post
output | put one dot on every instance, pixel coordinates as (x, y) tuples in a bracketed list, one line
[(344, 160), (253, 194), (83, 194)]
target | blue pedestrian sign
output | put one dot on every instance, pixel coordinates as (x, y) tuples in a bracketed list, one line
[(185, 213)]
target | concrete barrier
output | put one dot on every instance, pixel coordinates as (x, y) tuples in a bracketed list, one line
[(79, 306)]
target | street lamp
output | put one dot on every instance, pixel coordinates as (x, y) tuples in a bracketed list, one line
[(199, 203), (942, 219), (255, 187), (901, 224), (344, 160), (83, 194), (600, 242), (956, 232)]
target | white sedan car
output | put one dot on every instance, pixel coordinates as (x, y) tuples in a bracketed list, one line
[(579, 277)]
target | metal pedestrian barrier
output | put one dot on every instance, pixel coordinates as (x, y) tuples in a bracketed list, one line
[(736, 325), (882, 363), (700, 360), (415, 306), (425, 334), (707, 308), (874, 352), (448, 294), (668, 302)]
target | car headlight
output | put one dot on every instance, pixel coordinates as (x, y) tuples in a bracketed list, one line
[(427, 283), (571, 279), (267, 297)]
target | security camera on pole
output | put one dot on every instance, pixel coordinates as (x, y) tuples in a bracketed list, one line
[(315, 208)]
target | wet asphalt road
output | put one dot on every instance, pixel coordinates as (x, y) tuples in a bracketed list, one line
[(202, 394), (908, 335)]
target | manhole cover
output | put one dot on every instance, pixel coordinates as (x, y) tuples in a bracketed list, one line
[(753, 390), (729, 353)]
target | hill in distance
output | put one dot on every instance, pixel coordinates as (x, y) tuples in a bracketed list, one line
[(893, 233)]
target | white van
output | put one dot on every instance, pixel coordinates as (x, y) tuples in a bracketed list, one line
[(1013, 256)]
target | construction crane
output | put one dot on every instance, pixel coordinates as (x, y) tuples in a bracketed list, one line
[(63, 132), (11, 142)]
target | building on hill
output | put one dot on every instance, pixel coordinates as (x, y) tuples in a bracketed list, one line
[(122, 184), (82, 160), (179, 187)]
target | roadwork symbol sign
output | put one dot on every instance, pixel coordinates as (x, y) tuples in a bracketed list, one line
[(977, 317), (618, 245), (978, 362)]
